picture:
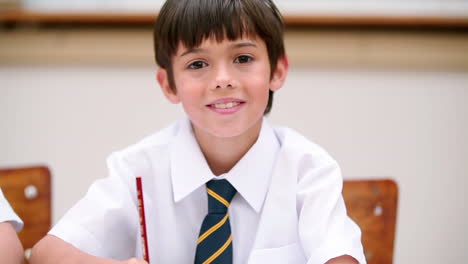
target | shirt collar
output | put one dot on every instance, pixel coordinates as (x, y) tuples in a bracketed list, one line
[(189, 169), (250, 176)]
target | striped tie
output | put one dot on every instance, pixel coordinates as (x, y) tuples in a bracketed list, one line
[(215, 239)]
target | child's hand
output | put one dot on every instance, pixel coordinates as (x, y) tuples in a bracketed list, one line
[(134, 261)]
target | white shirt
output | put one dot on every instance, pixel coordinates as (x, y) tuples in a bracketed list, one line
[(8, 215), (288, 209)]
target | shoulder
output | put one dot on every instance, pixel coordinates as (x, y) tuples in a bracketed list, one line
[(159, 139), (296, 145), (148, 148), (306, 160)]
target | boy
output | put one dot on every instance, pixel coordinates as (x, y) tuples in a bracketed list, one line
[(273, 196), (11, 250)]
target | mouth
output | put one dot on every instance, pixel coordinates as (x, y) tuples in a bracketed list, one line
[(226, 105)]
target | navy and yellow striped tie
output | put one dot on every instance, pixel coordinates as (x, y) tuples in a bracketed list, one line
[(215, 239)]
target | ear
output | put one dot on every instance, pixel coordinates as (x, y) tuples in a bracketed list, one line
[(163, 80), (279, 76)]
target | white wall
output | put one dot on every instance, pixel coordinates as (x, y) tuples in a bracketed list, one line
[(409, 126)]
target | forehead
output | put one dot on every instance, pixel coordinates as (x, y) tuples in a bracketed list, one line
[(212, 42)]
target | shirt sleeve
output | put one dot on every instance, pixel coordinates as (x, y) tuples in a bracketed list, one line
[(7, 214), (325, 230), (104, 222)]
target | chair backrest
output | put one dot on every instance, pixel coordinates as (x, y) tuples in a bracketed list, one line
[(29, 194), (372, 204)]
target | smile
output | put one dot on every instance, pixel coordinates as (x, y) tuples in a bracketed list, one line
[(228, 105)]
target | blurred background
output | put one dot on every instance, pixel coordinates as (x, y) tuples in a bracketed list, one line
[(382, 85)]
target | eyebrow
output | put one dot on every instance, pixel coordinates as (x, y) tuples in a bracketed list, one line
[(234, 46), (244, 44), (193, 50)]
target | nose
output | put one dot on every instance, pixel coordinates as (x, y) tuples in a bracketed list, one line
[(223, 77)]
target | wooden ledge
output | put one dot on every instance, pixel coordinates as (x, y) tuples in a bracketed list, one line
[(290, 20)]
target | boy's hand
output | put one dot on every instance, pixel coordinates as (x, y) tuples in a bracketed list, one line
[(134, 261)]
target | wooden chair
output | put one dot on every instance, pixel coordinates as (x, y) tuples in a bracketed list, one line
[(28, 192), (372, 204)]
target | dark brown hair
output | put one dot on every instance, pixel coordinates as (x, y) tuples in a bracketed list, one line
[(189, 22)]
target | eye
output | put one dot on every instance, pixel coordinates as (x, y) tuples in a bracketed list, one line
[(197, 65), (243, 59)]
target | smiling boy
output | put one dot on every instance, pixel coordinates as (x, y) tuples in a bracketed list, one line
[(222, 185)]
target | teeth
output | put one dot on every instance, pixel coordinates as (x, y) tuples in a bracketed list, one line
[(228, 105)]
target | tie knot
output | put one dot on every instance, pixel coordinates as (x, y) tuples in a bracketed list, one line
[(220, 194)]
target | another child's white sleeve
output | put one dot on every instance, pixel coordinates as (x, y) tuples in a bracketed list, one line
[(325, 229), (104, 223), (7, 214)]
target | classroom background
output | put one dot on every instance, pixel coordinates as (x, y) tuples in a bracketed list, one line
[(383, 88)]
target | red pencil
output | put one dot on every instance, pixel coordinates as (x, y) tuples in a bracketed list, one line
[(141, 210)]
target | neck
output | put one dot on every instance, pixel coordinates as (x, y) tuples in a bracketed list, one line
[(222, 154)]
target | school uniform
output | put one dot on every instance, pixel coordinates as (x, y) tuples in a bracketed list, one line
[(288, 207), (7, 214)]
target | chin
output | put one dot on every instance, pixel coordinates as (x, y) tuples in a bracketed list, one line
[(226, 133)]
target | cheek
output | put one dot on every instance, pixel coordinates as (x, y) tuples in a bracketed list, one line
[(191, 93), (260, 93), (260, 77), (192, 80)]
